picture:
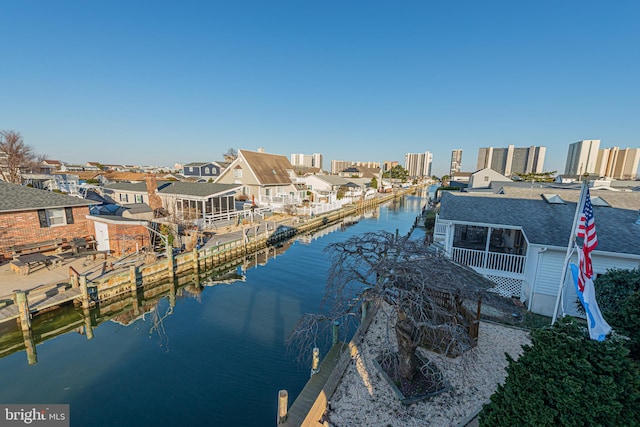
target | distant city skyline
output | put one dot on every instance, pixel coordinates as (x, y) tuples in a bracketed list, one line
[(177, 83)]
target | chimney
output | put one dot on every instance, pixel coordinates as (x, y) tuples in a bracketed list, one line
[(155, 202)]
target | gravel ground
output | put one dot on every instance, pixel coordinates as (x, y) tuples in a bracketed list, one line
[(364, 398)]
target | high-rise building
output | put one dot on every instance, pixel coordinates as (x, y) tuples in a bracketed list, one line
[(512, 160), (582, 157), (618, 164), (307, 160), (418, 164), (456, 162)]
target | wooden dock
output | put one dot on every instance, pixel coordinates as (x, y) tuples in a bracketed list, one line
[(39, 303), (301, 412)]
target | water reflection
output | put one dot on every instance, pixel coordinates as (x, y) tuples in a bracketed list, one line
[(190, 352), (144, 304)]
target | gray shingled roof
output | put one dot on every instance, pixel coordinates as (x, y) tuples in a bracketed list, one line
[(15, 197), (550, 224), (198, 189)]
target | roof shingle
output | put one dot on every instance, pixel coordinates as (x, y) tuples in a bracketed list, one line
[(15, 198)]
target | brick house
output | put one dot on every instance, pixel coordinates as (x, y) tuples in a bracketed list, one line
[(29, 215)]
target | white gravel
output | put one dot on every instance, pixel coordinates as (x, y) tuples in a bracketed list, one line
[(364, 398)]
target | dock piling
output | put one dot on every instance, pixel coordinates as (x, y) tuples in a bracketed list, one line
[(315, 363), (21, 301), (84, 291), (283, 402), (30, 346)]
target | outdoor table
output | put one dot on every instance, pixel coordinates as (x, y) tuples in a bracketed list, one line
[(34, 260)]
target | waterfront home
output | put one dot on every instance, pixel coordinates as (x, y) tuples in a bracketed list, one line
[(29, 216), (47, 166), (519, 238), (198, 202), (326, 187), (202, 170), (265, 179), (484, 177)]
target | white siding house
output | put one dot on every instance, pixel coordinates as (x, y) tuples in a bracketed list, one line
[(519, 238)]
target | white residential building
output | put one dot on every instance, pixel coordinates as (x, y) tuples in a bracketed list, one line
[(456, 162), (582, 157), (518, 238), (618, 164), (512, 160), (418, 164), (307, 160)]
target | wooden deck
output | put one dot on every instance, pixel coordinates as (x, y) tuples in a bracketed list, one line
[(38, 303), (300, 410)]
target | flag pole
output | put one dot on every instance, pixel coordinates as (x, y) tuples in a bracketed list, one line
[(570, 246)]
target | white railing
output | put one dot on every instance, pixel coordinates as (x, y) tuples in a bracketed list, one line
[(320, 208), (231, 216), (440, 228), (489, 260), (280, 199)]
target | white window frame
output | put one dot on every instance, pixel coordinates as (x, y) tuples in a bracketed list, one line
[(56, 217)]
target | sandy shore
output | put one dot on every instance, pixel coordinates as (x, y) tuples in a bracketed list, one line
[(364, 398)]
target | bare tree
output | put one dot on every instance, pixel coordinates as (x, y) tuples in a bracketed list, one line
[(15, 156), (425, 291), (230, 155)]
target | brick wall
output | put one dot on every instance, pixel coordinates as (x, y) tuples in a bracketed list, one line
[(19, 228), (123, 238)]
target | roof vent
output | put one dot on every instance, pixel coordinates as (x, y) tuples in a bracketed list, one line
[(553, 199)]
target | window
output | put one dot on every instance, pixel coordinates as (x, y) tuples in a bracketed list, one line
[(139, 198), (55, 217), (486, 178), (237, 173), (124, 197), (207, 170)]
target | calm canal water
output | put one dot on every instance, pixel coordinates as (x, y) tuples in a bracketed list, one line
[(218, 358)]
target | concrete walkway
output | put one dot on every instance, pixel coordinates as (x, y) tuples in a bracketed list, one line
[(50, 275)]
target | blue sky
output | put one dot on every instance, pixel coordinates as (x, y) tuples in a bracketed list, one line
[(155, 82)]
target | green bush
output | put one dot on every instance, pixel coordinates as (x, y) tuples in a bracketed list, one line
[(618, 296), (564, 378)]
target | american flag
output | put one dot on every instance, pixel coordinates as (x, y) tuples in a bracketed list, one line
[(587, 231)]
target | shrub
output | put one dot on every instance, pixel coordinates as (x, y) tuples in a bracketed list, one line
[(618, 296), (564, 378)]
